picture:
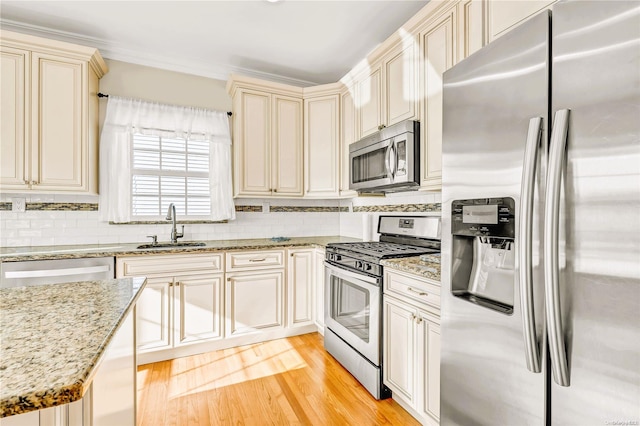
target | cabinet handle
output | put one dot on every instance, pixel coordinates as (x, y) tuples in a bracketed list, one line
[(34, 182), (382, 126), (178, 284), (419, 293), (170, 284), (258, 260), (275, 190), (418, 319), (26, 182), (228, 278)]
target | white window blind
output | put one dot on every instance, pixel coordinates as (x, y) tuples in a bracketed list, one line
[(169, 170)]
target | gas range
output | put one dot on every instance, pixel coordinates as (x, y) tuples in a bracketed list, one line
[(400, 236)]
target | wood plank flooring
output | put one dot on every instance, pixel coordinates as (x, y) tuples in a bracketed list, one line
[(291, 381)]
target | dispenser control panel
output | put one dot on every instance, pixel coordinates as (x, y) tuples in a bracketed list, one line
[(488, 217)]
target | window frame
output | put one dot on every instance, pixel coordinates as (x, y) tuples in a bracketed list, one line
[(182, 207)]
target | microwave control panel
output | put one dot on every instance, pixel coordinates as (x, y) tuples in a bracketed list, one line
[(483, 217)]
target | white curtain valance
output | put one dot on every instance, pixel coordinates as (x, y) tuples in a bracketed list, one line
[(126, 116)]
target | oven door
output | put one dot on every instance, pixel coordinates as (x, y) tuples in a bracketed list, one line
[(352, 310)]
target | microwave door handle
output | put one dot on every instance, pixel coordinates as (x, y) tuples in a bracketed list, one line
[(387, 160), (395, 159)]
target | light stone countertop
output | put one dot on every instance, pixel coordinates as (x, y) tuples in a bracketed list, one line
[(15, 254), (52, 338), (415, 266)]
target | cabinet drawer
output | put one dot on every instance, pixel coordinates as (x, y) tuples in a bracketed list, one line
[(412, 287), (169, 265), (250, 260)]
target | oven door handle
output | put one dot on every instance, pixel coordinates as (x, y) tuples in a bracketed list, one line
[(341, 273)]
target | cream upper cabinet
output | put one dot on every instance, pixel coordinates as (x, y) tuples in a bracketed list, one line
[(471, 26), (503, 16), (438, 48), (400, 88), (369, 101), (322, 142), (347, 137), (49, 115), (267, 138), (387, 91)]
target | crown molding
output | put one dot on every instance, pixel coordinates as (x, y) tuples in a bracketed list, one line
[(119, 53)]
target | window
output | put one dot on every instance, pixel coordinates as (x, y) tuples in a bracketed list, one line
[(169, 170)]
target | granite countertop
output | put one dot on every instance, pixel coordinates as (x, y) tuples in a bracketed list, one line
[(415, 266), (15, 254), (52, 338)]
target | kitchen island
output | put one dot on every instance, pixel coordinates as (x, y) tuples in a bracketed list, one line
[(63, 343)]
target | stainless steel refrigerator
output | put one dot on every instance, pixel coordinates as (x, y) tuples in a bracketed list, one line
[(541, 223)]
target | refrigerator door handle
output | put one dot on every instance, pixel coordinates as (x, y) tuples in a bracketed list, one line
[(532, 349), (557, 349)]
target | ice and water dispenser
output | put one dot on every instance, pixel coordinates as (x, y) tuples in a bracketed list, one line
[(483, 252)]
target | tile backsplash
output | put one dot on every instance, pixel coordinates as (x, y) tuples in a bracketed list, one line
[(67, 219)]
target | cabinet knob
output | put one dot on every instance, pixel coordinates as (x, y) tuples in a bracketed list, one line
[(275, 190), (382, 126)]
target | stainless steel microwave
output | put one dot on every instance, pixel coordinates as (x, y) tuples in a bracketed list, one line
[(387, 161)]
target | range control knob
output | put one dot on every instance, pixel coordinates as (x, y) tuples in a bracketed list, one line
[(338, 257), (358, 264), (367, 267)]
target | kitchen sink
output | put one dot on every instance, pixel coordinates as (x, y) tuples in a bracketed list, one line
[(169, 245)]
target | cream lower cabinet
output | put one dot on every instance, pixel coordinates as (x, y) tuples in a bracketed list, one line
[(254, 292), (411, 341), (182, 302), (318, 267), (49, 115), (300, 286)]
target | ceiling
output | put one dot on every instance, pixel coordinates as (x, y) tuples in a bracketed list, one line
[(292, 41)]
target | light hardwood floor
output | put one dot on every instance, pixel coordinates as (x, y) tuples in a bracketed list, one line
[(282, 382)]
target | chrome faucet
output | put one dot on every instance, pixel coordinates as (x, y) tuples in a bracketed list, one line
[(171, 215)]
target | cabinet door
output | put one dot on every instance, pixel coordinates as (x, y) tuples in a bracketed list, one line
[(252, 150), (399, 372), (286, 147), (369, 102), (300, 287), (503, 16), (319, 289), (400, 83), (197, 309), (153, 313), (254, 302), (347, 137), (321, 146), (430, 362), (438, 49), (58, 155), (471, 27), (13, 118)]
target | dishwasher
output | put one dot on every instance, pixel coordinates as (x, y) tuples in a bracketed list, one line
[(39, 272)]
